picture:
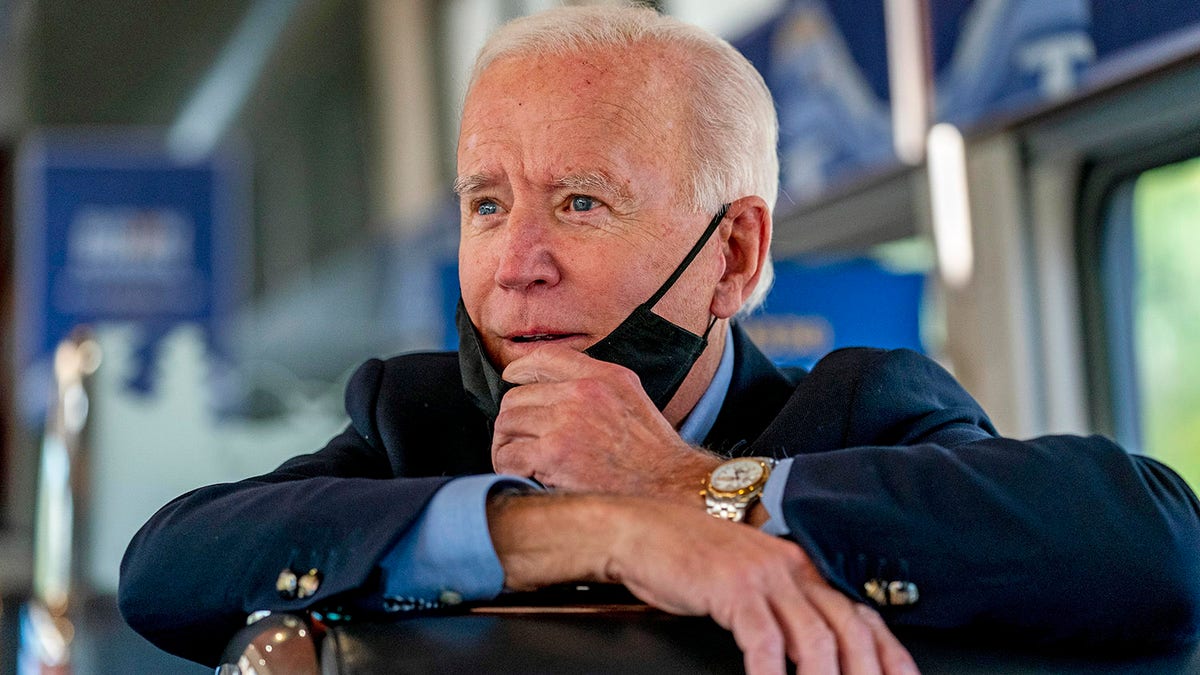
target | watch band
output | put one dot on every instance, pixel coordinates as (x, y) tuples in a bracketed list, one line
[(727, 510), (733, 505)]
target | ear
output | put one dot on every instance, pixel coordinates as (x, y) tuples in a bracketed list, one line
[(745, 237)]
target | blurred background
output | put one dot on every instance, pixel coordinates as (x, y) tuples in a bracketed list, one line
[(223, 207)]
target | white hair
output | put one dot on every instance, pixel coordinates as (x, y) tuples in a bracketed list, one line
[(734, 130)]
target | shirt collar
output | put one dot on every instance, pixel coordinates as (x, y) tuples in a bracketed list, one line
[(700, 421)]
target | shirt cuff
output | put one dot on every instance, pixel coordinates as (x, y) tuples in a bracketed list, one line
[(447, 555), (772, 499)]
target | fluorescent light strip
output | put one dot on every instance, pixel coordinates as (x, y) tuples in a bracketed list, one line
[(908, 77), (217, 101), (947, 162)]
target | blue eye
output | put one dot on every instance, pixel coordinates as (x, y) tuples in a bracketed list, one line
[(581, 203), (486, 208)]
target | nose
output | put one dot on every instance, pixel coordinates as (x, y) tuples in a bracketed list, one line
[(526, 255)]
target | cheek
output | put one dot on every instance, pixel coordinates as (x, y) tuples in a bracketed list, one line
[(475, 270)]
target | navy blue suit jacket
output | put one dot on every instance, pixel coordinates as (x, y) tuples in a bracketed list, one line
[(897, 474)]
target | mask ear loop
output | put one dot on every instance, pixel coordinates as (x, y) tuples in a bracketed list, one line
[(687, 260)]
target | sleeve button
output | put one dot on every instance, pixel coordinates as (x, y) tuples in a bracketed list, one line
[(286, 584), (902, 593), (876, 590), (308, 584)]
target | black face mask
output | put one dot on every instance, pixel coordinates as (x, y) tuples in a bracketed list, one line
[(660, 352)]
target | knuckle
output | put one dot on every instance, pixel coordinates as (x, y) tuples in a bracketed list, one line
[(793, 558), (502, 461), (800, 567), (868, 616), (753, 631), (629, 379), (856, 631), (759, 573), (786, 558), (762, 644), (820, 642)]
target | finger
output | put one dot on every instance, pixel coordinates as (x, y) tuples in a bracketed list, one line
[(522, 420), (757, 634), (550, 363), (551, 393), (582, 402), (811, 642), (531, 440), (893, 657), (856, 639), (517, 457)]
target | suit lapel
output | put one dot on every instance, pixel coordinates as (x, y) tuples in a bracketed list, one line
[(757, 392)]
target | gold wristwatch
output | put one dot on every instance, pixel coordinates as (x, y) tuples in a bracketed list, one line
[(734, 486)]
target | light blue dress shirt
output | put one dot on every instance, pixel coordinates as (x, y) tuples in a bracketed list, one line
[(447, 555)]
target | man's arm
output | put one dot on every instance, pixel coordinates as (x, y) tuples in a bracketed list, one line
[(210, 557), (679, 559), (898, 475), (447, 555), (1055, 538), (583, 425)]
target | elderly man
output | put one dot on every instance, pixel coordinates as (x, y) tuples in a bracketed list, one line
[(616, 171)]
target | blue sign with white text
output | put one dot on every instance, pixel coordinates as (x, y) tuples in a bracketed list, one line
[(112, 229), (816, 307)]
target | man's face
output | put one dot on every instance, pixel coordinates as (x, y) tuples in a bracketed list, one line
[(570, 172)]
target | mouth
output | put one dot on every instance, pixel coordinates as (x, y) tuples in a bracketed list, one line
[(541, 337)]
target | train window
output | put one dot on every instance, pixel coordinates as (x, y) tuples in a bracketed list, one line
[(1153, 292)]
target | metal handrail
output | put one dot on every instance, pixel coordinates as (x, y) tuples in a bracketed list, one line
[(47, 630), (273, 644)]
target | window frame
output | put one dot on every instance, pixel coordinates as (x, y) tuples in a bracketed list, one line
[(1107, 301)]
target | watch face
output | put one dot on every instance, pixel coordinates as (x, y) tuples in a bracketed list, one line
[(737, 475)]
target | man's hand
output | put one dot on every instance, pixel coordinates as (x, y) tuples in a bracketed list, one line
[(762, 589), (586, 425)]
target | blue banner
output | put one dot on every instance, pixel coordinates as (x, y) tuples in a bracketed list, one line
[(112, 229), (817, 307)]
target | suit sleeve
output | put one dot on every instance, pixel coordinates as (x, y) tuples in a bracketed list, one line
[(1054, 539), (210, 557)]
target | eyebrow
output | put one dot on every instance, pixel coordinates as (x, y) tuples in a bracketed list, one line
[(471, 183), (595, 182), (591, 182)]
